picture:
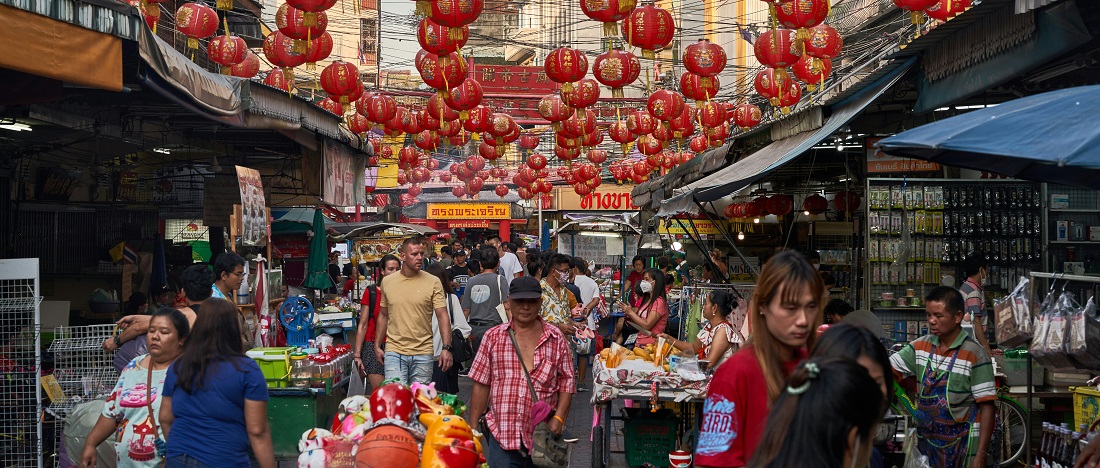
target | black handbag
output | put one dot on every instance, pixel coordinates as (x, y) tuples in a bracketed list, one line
[(461, 350)]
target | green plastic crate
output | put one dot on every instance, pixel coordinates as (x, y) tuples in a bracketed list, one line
[(649, 437), (274, 363)]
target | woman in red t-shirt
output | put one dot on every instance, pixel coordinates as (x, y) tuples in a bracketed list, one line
[(785, 311), (365, 361)]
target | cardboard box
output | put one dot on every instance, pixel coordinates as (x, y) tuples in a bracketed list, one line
[(1059, 201), (1074, 268), (1061, 231), (1094, 233)]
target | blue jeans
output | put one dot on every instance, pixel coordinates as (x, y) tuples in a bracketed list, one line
[(183, 461), (497, 457), (409, 369)]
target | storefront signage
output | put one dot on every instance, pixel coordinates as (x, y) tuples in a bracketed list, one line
[(468, 224), (880, 163), (495, 79), (476, 211), (703, 227), (604, 198), (343, 176), (184, 230)]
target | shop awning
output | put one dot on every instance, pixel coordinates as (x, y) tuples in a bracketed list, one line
[(757, 165)]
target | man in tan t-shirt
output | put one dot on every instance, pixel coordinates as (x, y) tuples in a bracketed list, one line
[(408, 301)]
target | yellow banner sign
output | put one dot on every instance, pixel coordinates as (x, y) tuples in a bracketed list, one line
[(469, 211), (604, 198), (684, 227)]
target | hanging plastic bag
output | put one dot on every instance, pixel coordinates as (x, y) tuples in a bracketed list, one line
[(1038, 349), (1013, 317), (913, 457), (1057, 340), (1082, 349)]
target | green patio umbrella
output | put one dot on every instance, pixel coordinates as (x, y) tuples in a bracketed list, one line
[(317, 265)]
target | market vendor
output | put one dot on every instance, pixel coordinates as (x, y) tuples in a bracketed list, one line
[(718, 340), (955, 389), (785, 310)]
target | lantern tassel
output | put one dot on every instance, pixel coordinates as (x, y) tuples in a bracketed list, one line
[(649, 54), (617, 93), (610, 29), (423, 8), (223, 5), (227, 70), (455, 34), (309, 19), (567, 87), (192, 44)]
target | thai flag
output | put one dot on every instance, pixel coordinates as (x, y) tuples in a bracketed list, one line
[(129, 255), (362, 58)]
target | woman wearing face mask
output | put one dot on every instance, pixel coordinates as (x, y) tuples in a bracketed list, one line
[(974, 321), (824, 417), (718, 340), (652, 313), (857, 343), (785, 310), (132, 410)]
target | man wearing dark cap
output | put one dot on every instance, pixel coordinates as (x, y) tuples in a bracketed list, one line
[(500, 372), (459, 272)]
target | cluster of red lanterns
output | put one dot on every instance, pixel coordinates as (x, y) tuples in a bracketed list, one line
[(940, 10), (531, 178), (778, 205), (302, 38)]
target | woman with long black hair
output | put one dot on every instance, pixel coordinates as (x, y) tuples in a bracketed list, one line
[(215, 397), (651, 314)]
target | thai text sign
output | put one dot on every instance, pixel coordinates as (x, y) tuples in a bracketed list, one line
[(469, 224), (879, 162), (469, 211), (684, 227), (604, 198)]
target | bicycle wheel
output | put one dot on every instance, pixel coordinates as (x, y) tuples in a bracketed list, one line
[(597, 448), (1011, 421)]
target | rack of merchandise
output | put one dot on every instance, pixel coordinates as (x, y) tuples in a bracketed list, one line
[(21, 429), (1073, 227), (83, 370), (921, 230)]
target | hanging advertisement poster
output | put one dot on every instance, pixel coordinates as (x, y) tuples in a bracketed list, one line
[(343, 176), (253, 208)]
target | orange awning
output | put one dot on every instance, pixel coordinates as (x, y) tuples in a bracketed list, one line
[(40, 45)]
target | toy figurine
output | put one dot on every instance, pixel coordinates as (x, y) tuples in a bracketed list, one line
[(449, 443)]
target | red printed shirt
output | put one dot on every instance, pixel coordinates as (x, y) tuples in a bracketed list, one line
[(735, 411), (372, 310), (498, 366)]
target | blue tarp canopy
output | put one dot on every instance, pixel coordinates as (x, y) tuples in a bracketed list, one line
[(1050, 137)]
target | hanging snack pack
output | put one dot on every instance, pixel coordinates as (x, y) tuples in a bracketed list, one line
[(1084, 336), (1013, 314)]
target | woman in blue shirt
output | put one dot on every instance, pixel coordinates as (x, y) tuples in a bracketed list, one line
[(215, 398)]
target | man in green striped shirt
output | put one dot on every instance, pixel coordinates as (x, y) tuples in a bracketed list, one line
[(954, 389)]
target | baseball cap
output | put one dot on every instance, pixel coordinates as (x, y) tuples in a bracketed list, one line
[(525, 287), (459, 253)]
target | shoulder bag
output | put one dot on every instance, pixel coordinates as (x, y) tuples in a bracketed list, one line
[(547, 449), (461, 350), (158, 442), (500, 307)]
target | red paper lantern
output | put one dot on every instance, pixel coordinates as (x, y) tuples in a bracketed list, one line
[(597, 156), (524, 193), (778, 49), (279, 50), (669, 160), (566, 141), (552, 108), (196, 21), (473, 186), (791, 97), (581, 123), (528, 141), (706, 59), (815, 204), (779, 205), (227, 51), (331, 105), (812, 71), (536, 161), (823, 42), (564, 65), (747, 116), (944, 10), (592, 139), (802, 15), (641, 167), (311, 7), (663, 134), (753, 209), (458, 191), (426, 140), (435, 38), (441, 71), (248, 67), (420, 175), (358, 125), (684, 125), (846, 201), (608, 12), (478, 120), (566, 154), (426, 121), (455, 14), (502, 124), (277, 79), (582, 189), (445, 177), (291, 21), (501, 190), (584, 93), (639, 178), (319, 49), (731, 211), (915, 8), (686, 156), (616, 69), (712, 114), (640, 123), (464, 97), (770, 84), (695, 88), (717, 135), (380, 108), (665, 105), (699, 144), (475, 163), (340, 79), (648, 28), (648, 145)]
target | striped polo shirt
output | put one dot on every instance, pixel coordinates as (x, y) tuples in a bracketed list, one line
[(971, 380)]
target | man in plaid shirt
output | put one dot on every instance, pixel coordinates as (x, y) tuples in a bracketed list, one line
[(498, 376)]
